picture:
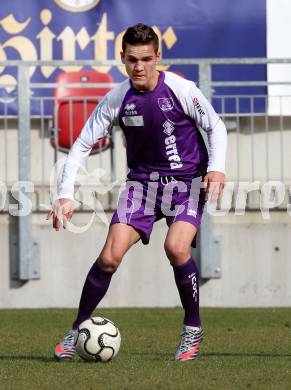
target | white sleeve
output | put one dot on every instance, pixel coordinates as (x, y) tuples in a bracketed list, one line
[(199, 109), (97, 126)]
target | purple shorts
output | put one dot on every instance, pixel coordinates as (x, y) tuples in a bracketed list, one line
[(142, 203)]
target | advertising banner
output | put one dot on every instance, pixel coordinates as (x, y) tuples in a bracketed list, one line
[(92, 29)]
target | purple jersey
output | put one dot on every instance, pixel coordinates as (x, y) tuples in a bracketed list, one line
[(160, 136), (161, 131)]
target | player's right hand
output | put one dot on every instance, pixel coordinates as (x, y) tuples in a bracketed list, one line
[(61, 212)]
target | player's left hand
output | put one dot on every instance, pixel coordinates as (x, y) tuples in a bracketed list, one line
[(214, 184)]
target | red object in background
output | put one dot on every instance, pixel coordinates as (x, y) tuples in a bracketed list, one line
[(73, 105)]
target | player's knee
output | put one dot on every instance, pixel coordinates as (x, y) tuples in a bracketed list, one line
[(176, 252), (109, 261)]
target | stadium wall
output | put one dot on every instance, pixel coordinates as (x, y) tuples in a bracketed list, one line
[(254, 252), (255, 266)]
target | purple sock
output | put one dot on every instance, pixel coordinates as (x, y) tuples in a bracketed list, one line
[(95, 287), (187, 281)]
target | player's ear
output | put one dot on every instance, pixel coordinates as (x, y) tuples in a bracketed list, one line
[(158, 56), (122, 56)]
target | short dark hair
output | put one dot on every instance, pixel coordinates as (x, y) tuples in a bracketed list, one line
[(140, 34)]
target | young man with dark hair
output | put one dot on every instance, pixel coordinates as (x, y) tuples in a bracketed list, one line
[(159, 114), (140, 34)]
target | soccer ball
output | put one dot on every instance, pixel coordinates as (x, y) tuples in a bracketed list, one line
[(97, 339)]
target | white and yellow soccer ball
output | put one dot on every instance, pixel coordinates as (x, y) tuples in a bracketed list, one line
[(97, 339)]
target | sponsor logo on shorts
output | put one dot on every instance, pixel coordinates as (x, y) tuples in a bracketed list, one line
[(192, 212), (166, 104), (198, 107), (168, 127)]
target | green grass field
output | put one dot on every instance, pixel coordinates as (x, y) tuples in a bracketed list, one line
[(243, 349)]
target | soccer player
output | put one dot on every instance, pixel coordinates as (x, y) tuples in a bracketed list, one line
[(159, 114)]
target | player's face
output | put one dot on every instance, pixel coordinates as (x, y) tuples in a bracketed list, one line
[(140, 63)]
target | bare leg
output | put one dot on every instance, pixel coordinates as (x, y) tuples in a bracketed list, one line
[(178, 242)]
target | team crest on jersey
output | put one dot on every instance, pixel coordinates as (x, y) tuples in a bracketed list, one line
[(168, 127), (166, 104)]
